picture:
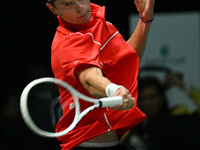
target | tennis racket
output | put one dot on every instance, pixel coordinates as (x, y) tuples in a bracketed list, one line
[(41, 109)]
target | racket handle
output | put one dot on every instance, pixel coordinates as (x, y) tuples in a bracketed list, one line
[(111, 101)]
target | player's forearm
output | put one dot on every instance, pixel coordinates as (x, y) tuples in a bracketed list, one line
[(138, 39), (94, 82), (97, 85)]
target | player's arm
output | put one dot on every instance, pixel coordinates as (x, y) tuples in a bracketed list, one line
[(138, 39), (93, 81)]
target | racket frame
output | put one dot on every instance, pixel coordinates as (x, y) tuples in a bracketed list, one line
[(102, 102)]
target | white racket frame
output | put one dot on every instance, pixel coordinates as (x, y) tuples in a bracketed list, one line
[(102, 102)]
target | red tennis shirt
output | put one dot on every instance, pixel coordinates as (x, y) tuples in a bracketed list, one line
[(97, 43)]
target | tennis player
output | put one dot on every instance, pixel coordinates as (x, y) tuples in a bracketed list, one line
[(91, 55)]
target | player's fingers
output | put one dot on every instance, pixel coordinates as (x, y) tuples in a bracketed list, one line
[(126, 105), (130, 103), (122, 92)]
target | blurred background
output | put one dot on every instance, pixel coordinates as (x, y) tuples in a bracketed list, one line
[(172, 57)]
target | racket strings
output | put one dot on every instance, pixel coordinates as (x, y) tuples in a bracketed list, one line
[(44, 106)]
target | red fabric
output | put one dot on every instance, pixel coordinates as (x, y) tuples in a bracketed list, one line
[(99, 44)]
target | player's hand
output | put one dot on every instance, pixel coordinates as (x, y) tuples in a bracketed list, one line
[(145, 8), (128, 100)]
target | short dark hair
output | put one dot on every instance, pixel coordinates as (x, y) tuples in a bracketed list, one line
[(51, 2)]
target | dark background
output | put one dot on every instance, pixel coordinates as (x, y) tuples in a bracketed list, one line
[(27, 30)]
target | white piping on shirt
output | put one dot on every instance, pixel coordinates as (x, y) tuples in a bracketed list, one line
[(89, 34), (96, 41), (109, 40), (107, 121), (100, 145)]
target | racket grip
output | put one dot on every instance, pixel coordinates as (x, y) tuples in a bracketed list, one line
[(111, 101)]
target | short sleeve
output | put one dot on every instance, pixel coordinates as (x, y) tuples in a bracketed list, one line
[(78, 52)]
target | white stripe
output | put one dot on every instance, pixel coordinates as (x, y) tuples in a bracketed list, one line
[(89, 34), (107, 121), (107, 144), (93, 39), (109, 22), (96, 41), (101, 64), (109, 40), (76, 33)]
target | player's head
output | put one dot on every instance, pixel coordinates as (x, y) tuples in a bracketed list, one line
[(51, 2), (71, 11)]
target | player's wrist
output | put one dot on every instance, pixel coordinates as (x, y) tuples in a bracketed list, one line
[(111, 89), (145, 20)]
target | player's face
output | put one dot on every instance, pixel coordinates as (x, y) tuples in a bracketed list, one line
[(73, 11)]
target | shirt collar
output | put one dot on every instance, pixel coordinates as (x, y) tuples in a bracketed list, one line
[(96, 12)]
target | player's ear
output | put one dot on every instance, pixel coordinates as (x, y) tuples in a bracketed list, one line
[(52, 8)]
